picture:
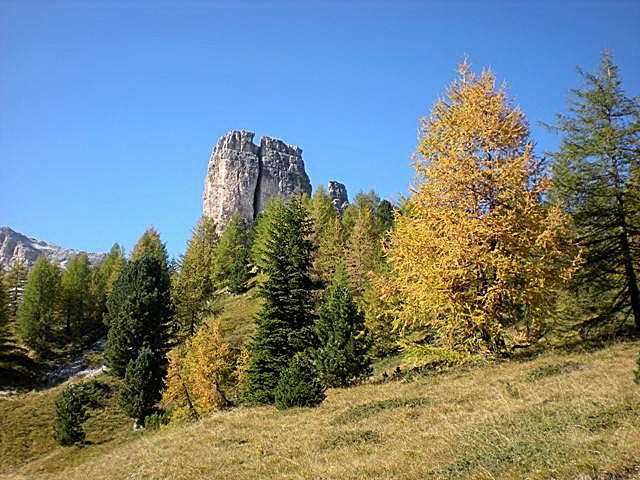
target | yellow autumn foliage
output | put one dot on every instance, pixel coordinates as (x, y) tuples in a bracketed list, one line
[(477, 255), (204, 373)]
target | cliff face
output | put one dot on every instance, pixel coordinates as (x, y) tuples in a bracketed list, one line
[(242, 177), (14, 246)]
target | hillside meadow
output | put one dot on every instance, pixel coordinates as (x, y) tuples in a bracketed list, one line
[(564, 415)]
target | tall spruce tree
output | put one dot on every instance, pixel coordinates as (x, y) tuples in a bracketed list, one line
[(232, 256), (283, 326), (343, 340), (37, 316), (597, 174), (260, 232), (139, 312)]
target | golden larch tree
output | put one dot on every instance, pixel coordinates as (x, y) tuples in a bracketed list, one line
[(477, 255)]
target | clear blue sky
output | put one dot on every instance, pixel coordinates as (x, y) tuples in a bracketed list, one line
[(109, 109)]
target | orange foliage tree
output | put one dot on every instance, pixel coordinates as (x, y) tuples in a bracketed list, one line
[(477, 255)]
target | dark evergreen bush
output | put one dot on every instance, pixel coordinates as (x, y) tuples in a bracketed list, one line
[(298, 385), (141, 387), (70, 414), (343, 339), (139, 313)]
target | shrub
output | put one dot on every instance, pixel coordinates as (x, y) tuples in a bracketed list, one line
[(298, 385), (141, 386), (70, 415)]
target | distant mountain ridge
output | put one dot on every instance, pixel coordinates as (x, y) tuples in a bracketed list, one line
[(14, 245)]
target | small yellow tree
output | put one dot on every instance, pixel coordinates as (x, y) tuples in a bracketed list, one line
[(203, 373), (476, 255)]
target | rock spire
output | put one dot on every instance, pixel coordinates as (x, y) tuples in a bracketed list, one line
[(242, 177)]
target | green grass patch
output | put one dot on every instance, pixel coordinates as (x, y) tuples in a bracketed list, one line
[(365, 410)]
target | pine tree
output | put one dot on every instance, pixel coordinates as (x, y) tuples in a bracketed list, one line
[(142, 385), (597, 174), (70, 415), (139, 312), (344, 342), (74, 297), (193, 291), (260, 232), (232, 256), (283, 325), (477, 257), (298, 386), (37, 316)]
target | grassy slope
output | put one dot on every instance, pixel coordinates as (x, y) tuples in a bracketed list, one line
[(557, 416)]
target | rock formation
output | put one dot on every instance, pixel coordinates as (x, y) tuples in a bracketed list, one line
[(338, 195), (242, 177), (14, 245)]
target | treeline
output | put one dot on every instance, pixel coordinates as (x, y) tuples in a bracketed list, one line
[(58, 312)]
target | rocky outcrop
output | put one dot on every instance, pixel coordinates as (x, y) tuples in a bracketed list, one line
[(242, 177), (14, 245), (338, 195), (232, 178)]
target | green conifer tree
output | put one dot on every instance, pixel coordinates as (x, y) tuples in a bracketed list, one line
[(284, 323), (298, 386), (70, 415), (142, 385), (344, 342), (597, 175), (232, 256), (37, 316), (139, 312), (259, 233)]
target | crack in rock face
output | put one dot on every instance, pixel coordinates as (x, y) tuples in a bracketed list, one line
[(242, 176)]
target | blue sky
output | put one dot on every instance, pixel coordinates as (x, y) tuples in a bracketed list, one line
[(109, 109)]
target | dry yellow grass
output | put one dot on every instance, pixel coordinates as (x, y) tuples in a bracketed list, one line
[(558, 416)]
